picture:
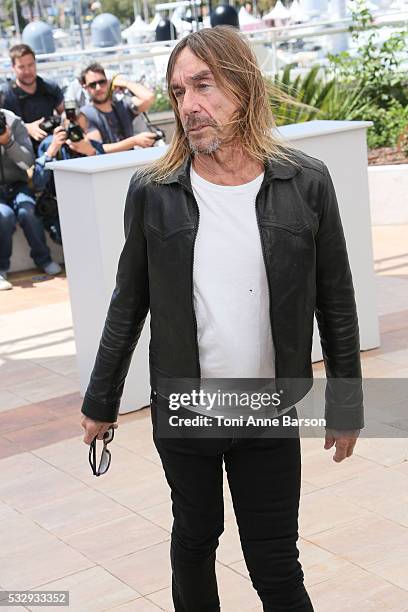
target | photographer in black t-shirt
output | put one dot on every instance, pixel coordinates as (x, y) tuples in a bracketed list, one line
[(30, 96)]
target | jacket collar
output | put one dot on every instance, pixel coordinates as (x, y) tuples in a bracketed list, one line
[(274, 169)]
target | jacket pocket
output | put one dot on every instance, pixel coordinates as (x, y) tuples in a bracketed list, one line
[(168, 233), (296, 229)]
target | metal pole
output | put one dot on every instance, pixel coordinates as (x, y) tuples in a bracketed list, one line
[(79, 15), (145, 11), (16, 22)]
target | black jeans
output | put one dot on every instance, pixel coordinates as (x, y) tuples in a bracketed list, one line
[(264, 479)]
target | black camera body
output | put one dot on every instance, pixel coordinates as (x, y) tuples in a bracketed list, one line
[(74, 131), (50, 123), (159, 134)]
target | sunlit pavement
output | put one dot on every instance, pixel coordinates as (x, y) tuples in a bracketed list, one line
[(106, 540)]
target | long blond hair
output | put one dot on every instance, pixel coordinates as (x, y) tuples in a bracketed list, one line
[(235, 69)]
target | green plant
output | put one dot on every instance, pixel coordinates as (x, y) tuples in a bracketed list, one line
[(161, 102), (324, 98), (377, 66), (390, 126)]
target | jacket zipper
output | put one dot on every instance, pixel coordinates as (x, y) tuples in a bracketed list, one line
[(192, 289), (269, 287)]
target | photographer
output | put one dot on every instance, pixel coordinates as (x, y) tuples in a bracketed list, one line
[(30, 96), (111, 119), (66, 142), (16, 201)]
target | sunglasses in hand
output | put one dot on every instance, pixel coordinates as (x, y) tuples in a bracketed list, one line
[(105, 458)]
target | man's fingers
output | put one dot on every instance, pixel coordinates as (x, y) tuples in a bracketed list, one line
[(329, 442), (341, 450), (351, 447), (95, 428)]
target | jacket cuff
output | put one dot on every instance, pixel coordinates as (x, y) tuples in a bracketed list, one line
[(344, 419), (97, 411)]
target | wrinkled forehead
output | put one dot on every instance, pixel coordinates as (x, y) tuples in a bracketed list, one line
[(188, 68)]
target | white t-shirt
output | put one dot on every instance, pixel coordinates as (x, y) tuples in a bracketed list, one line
[(231, 296)]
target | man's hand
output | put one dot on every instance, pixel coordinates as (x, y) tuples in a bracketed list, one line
[(144, 139), (83, 147), (120, 81), (58, 138), (95, 428), (345, 442), (4, 138), (35, 131)]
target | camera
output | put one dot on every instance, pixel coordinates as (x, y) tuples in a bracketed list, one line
[(50, 123), (74, 131), (159, 134)]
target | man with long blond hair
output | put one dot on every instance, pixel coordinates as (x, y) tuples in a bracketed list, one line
[(233, 241)]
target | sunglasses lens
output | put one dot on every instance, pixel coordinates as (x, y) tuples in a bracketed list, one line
[(105, 461), (95, 83), (108, 435)]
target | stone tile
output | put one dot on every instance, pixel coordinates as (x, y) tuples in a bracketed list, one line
[(9, 400), (364, 541), (307, 487), (30, 556), (319, 564), (23, 465), (30, 492), (23, 416), (121, 537), (93, 590), (229, 550), (382, 491), (51, 386), (45, 433), (146, 492), (236, 593), (377, 367), (393, 569), (355, 589), (319, 470), (137, 605), (8, 448), (398, 357), (65, 365), (160, 514), (383, 451), (146, 571), (241, 568), (396, 319), (15, 371), (337, 512), (162, 599), (81, 509)]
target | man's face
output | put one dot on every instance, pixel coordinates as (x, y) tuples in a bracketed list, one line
[(97, 86), (204, 107), (25, 69)]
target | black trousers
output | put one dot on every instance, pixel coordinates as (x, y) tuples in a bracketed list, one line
[(264, 478)]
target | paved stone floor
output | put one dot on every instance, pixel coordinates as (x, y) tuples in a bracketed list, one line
[(107, 539)]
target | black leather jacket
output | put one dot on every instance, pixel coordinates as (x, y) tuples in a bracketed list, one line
[(307, 270)]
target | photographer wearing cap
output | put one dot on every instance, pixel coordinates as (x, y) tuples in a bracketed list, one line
[(16, 201), (30, 96), (110, 119), (66, 142)]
